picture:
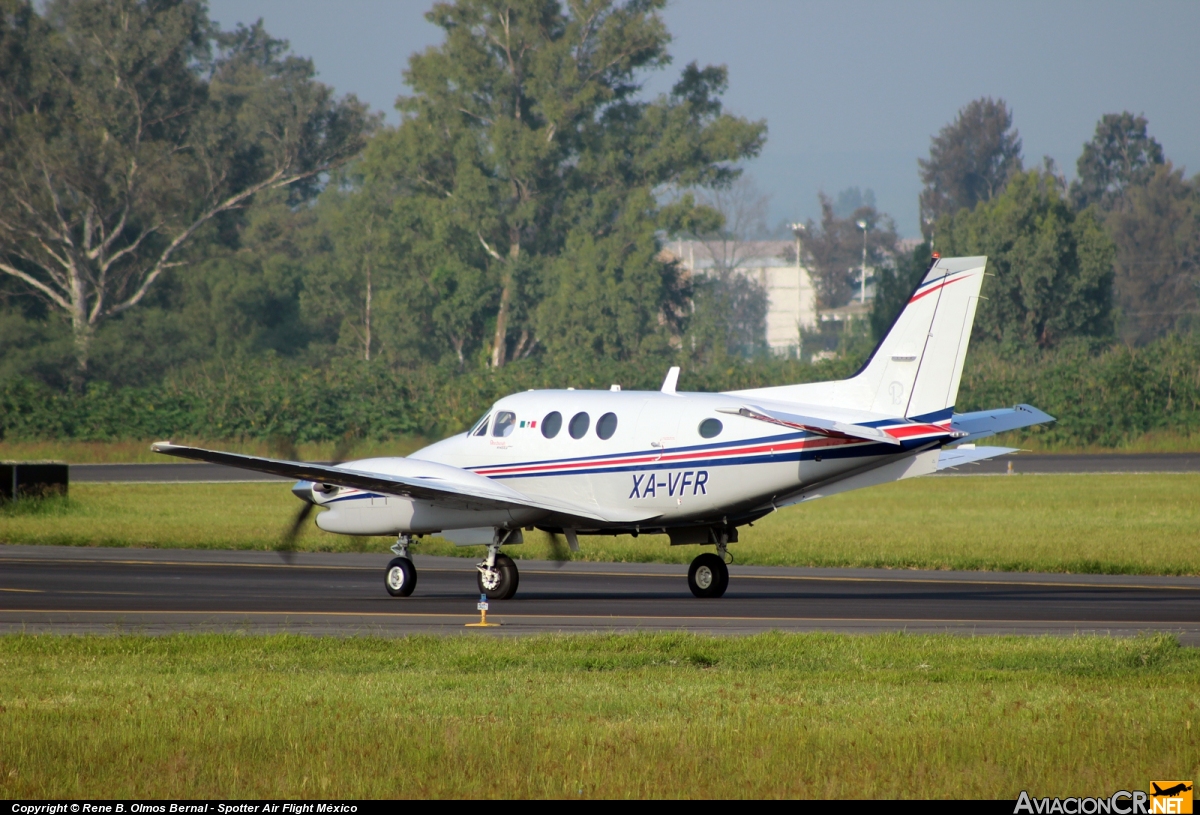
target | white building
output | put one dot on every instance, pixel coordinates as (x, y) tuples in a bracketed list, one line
[(791, 297)]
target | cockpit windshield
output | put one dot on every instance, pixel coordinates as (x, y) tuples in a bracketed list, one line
[(480, 428)]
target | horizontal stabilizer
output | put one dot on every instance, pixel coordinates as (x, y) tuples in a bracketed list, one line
[(410, 478), (811, 424), (984, 423), (969, 453)]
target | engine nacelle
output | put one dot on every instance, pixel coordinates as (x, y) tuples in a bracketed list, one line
[(393, 515)]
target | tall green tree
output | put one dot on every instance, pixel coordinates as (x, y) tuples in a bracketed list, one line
[(132, 126), (1051, 268), (1151, 213), (970, 160), (1120, 155), (389, 281), (1156, 229), (528, 165)]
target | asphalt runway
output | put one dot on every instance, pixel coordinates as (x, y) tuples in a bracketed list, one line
[(85, 590), (1023, 464)]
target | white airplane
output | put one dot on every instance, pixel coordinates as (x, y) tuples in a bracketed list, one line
[(692, 466)]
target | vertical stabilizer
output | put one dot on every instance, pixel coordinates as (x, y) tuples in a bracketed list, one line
[(916, 369)]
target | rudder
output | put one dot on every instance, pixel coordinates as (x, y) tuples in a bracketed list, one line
[(916, 369)]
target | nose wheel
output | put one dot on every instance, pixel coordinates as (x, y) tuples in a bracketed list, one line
[(708, 576), (499, 580)]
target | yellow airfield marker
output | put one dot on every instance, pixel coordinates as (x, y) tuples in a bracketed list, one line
[(482, 605)]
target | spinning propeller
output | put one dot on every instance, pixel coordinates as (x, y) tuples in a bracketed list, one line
[(286, 449), (559, 544)]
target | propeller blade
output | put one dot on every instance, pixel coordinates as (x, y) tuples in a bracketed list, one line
[(558, 549), (287, 544), (283, 447), (286, 449), (344, 446)]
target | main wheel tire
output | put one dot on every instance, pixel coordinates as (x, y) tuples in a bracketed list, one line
[(708, 576), (400, 577), (506, 584)]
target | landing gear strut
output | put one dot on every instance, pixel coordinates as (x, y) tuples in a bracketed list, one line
[(498, 577), (400, 578)]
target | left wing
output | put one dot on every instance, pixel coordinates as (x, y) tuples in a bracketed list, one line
[(409, 478), (969, 453)]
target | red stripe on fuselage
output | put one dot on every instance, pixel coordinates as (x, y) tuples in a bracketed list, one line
[(903, 431), (652, 458)]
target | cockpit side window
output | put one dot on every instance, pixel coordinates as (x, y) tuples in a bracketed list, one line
[(505, 422), (480, 428)]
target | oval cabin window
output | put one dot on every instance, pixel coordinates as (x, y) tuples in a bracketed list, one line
[(606, 426), (579, 425), (711, 428), (552, 424)]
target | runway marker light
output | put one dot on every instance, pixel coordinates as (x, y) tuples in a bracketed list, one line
[(482, 605)]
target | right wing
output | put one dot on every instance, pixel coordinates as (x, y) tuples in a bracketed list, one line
[(983, 423), (409, 478)]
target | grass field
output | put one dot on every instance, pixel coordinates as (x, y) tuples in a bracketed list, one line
[(809, 715), (1147, 524)]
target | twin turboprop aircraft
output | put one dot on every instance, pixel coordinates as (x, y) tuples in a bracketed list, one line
[(692, 466)]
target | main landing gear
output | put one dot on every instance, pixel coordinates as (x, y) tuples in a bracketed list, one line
[(498, 576), (708, 575), (401, 575)]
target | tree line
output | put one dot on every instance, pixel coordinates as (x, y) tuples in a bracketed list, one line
[(178, 200), (1114, 255), (1104, 398)]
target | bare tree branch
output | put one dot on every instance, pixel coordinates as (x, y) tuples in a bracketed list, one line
[(275, 181), (489, 249), (58, 299)]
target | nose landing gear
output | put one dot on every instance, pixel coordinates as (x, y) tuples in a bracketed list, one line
[(498, 576)]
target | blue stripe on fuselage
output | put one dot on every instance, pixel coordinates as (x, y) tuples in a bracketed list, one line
[(353, 497), (868, 450), (928, 418)]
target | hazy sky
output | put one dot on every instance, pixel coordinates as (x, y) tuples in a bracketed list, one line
[(851, 90)]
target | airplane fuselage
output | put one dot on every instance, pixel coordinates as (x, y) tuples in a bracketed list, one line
[(673, 458)]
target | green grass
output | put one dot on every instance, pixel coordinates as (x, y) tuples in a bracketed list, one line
[(1147, 524), (810, 715)]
